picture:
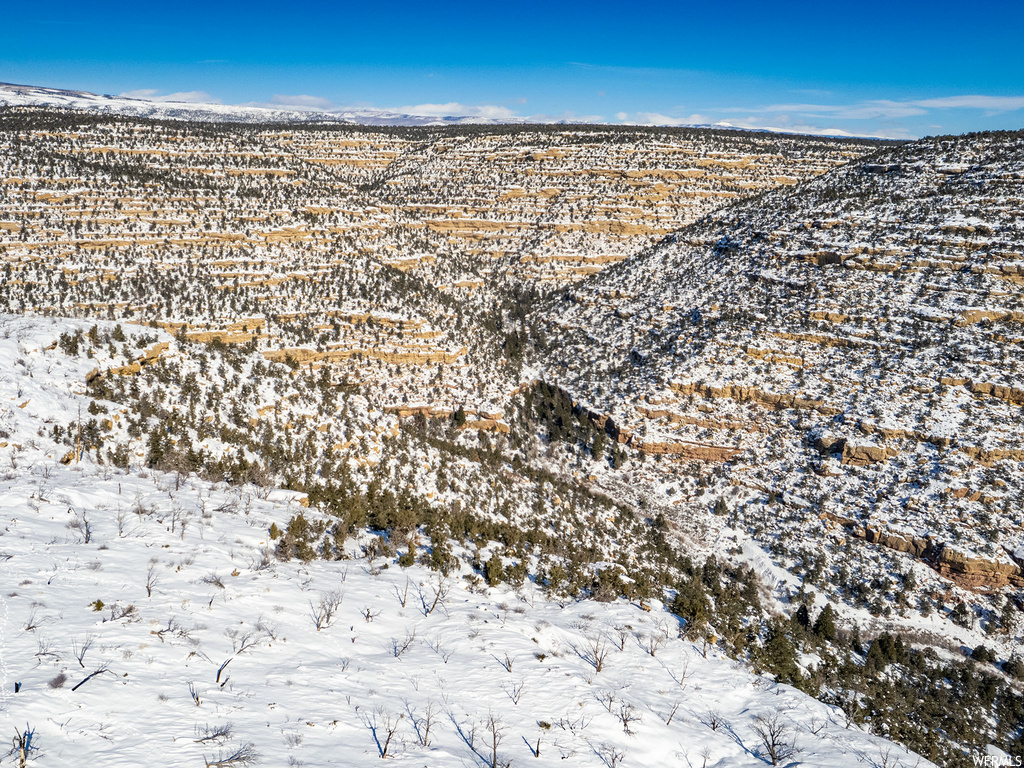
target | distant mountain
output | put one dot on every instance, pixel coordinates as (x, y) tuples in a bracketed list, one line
[(35, 96), (12, 95)]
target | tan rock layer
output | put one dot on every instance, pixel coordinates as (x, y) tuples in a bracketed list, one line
[(969, 572), (744, 394), (426, 356), (689, 451), (151, 355)]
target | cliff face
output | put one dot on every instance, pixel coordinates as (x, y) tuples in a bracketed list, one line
[(965, 570), (976, 572)]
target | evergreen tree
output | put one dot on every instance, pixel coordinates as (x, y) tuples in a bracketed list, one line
[(779, 653), (494, 571), (459, 417), (156, 446), (802, 617), (691, 603), (825, 625)]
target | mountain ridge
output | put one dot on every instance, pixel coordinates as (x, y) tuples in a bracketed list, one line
[(15, 95)]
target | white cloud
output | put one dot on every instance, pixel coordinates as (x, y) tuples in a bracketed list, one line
[(996, 103), (656, 118), (784, 124), (190, 97), (302, 100), (886, 109), (455, 109), (187, 97), (142, 93), (864, 110)]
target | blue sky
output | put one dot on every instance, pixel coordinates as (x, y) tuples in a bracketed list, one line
[(869, 68)]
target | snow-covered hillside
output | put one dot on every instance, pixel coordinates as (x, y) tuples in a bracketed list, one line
[(793, 425), (144, 616), (29, 95), (849, 351)]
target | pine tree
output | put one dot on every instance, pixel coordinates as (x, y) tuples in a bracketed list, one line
[(156, 446), (459, 417), (825, 625), (780, 654), (494, 571), (691, 603), (802, 617)]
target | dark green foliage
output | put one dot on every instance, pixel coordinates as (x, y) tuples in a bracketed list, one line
[(459, 417), (982, 654), (825, 624), (69, 342), (960, 615), (407, 558), (779, 654), (494, 570), (802, 618), (692, 604), (301, 539), (157, 447), (1014, 668)]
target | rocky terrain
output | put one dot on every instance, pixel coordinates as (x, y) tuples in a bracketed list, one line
[(132, 213), (853, 352), (749, 377)]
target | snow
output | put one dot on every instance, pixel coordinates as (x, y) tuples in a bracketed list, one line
[(24, 95), (222, 618)]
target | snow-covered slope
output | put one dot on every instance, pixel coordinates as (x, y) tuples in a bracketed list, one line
[(398, 327), (30, 95), (143, 616), (848, 352)]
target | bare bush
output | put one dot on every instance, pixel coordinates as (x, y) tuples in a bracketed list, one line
[(423, 724), (496, 732), (383, 725), (654, 641), (436, 646), (23, 745), (213, 733), (81, 524), (81, 648), (402, 594), (713, 719), (244, 755), (398, 647), (436, 596), (628, 715), (326, 608), (594, 650), (152, 578), (507, 662), (776, 738), (369, 614), (610, 755), (514, 691)]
